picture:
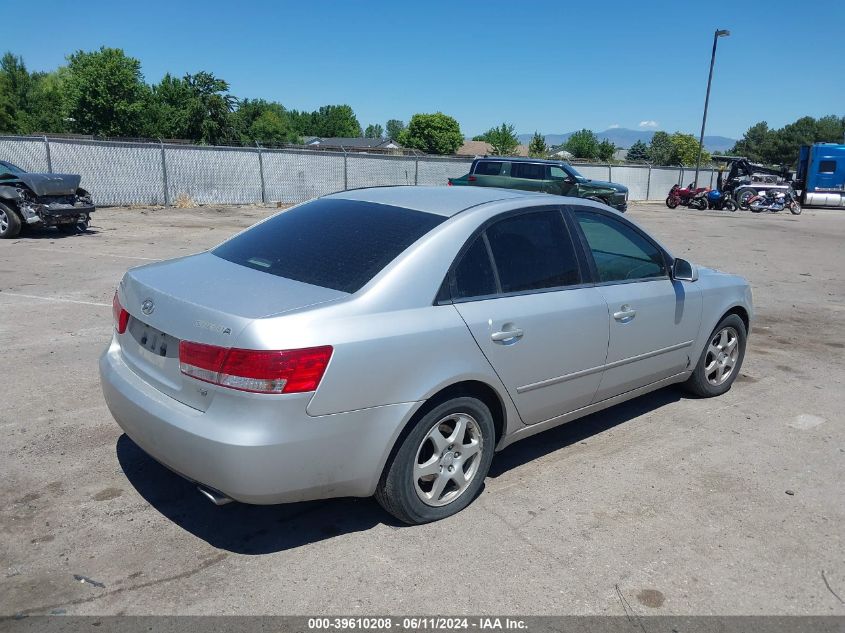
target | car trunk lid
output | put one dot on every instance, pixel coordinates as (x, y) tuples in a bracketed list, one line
[(200, 298)]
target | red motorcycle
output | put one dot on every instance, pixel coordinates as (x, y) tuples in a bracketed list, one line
[(688, 197)]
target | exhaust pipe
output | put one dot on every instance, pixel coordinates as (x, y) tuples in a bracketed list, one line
[(215, 496)]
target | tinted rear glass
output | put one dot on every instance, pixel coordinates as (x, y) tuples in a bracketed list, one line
[(531, 171), (333, 243), (488, 168), (474, 275), (533, 251)]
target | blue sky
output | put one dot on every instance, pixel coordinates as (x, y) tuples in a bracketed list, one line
[(552, 66)]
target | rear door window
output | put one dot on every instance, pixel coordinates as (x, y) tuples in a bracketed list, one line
[(531, 171), (533, 251), (329, 242), (489, 167)]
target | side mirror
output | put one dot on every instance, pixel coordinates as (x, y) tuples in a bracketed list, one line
[(682, 270)]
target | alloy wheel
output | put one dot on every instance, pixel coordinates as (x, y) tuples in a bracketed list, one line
[(4, 222), (447, 460), (722, 356)]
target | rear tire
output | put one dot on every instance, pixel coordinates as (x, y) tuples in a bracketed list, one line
[(698, 203), (10, 223), (729, 205), (743, 198), (721, 360), (416, 486)]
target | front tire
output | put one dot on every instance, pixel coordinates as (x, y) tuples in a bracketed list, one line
[(10, 223), (721, 360), (729, 205), (795, 208), (440, 465), (672, 202)]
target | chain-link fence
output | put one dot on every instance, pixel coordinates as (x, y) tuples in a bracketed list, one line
[(124, 173)]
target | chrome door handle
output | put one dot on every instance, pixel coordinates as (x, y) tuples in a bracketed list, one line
[(625, 314), (507, 335)]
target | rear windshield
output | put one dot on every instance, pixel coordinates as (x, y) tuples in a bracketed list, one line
[(333, 243)]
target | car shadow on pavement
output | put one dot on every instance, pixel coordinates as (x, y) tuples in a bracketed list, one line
[(238, 527), (578, 430), (49, 233), (253, 530)]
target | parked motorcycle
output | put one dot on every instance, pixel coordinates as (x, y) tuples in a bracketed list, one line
[(688, 197), (774, 201), (718, 200)]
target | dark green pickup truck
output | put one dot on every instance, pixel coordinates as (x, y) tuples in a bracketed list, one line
[(549, 176)]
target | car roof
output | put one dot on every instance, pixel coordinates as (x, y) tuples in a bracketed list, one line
[(522, 159), (441, 200)]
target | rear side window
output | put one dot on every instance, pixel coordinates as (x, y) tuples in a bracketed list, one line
[(533, 251), (474, 274), (619, 251), (532, 171), (333, 243), (488, 168)]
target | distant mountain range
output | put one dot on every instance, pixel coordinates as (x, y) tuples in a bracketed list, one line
[(624, 138)]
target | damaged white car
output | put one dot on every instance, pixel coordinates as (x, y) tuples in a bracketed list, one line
[(42, 200)]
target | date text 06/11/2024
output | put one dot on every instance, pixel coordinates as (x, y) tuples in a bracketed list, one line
[(416, 623)]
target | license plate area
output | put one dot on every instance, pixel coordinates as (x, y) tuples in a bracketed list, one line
[(154, 346)]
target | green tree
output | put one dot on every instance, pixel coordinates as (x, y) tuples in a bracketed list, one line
[(582, 144), (335, 120), (105, 93), (606, 150), (167, 110), (638, 152), (46, 100), (374, 131), (265, 122), (435, 133), (756, 143), (502, 139), (394, 128), (780, 147), (660, 149), (537, 148), (685, 149), (15, 87), (480, 137), (209, 109), (787, 141)]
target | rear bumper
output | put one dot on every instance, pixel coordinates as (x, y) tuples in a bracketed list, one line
[(263, 450)]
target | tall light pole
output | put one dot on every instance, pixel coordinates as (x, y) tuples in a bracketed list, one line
[(719, 33)]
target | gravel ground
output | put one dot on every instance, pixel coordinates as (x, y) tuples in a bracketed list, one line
[(672, 505)]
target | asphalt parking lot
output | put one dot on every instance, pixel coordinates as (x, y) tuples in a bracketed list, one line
[(663, 505)]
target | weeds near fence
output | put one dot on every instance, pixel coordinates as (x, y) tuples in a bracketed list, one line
[(184, 201)]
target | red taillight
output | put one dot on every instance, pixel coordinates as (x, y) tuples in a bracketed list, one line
[(121, 316), (449, 182), (472, 179), (259, 371)]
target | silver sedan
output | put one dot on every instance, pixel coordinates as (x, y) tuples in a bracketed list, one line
[(389, 341)]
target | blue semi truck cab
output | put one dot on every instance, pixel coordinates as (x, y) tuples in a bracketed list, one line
[(821, 175)]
